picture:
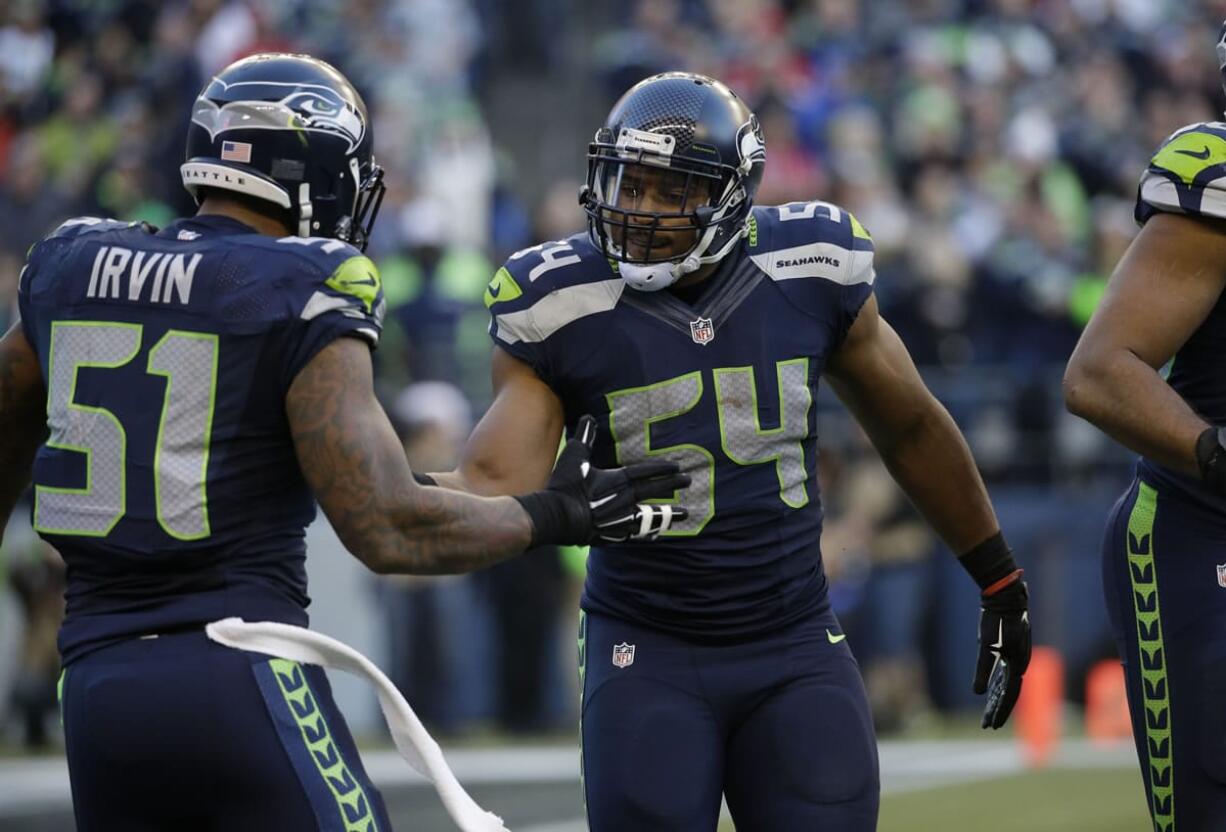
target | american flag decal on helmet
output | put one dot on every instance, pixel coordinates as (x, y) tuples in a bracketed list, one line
[(236, 152)]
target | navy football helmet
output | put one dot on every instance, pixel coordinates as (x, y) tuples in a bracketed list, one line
[(692, 139), (1221, 52), (292, 131)]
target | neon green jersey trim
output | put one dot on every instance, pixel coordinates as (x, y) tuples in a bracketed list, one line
[(1188, 155), (359, 278), (858, 230), (502, 288)]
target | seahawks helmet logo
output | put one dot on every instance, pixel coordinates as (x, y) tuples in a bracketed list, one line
[(750, 144), (277, 106)]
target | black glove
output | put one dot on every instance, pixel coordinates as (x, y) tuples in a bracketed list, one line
[(1211, 458), (1004, 648), (583, 505)]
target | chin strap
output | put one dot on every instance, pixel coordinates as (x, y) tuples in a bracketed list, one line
[(305, 210), (653, 277)]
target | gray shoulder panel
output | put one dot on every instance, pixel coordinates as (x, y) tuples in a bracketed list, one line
[(557, 309)]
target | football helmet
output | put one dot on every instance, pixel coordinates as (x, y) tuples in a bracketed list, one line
[(692, 141), (1221, 52), (290, 130)]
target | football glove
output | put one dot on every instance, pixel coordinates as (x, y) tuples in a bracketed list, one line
[(1211, 458), (582, 505), (1004, 649)]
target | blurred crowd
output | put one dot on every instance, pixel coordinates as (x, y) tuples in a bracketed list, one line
[(992, 147)]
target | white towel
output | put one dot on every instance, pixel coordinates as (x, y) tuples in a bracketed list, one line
[(412, 740)]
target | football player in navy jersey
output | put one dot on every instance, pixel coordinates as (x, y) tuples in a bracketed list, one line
[(696, 326), (180, 398), (1149, 371)]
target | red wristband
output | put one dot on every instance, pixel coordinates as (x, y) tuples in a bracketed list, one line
[(1010, 579)]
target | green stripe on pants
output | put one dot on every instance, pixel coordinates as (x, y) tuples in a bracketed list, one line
[(59, 693), (1155, 685), (582, 675)]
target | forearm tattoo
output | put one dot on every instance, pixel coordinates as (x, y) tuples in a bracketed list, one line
[(354, 463)]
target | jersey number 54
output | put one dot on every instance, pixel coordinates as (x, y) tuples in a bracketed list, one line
[(742, 438)]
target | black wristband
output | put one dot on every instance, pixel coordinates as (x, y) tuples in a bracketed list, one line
[(1211, 458), (990, 561), (552, 524), (424, 479)]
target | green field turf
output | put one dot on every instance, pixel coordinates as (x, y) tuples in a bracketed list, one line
[(930, 786), (1055, 800)]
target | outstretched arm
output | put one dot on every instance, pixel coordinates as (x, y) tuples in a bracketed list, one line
[(355, 464), (1162, 290), (512, 448), (23, 417)]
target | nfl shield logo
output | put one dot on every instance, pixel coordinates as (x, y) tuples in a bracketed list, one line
[(1221, 574), (702, 331), (623, 655)]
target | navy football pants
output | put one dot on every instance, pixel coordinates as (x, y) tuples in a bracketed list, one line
[(779, 725), (1167, 600), (177, 732)]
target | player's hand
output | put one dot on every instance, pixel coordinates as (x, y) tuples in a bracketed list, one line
[(1004, 650), (582, 504), (614, 496)]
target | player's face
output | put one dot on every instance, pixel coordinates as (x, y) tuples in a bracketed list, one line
[(670, 195)]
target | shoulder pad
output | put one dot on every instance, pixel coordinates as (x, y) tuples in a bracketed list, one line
[(323, 259), (541, 289), (340, 279), (78, 226), (810, 239), (536, 271), (325, 252), (60, 241), (1187, 174)]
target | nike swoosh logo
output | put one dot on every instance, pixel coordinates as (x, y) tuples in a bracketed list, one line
[(1000, 642), (833, 639), (1202, 155), (369, 281), (495, 289), (598, 503)]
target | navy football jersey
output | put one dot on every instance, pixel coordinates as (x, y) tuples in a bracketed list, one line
[(1187, 175), (168, 480), (723, 386)]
